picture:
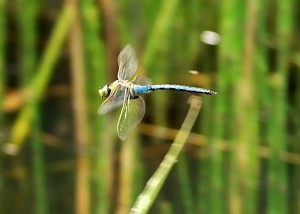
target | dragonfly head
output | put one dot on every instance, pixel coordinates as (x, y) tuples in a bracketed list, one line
[(104, 92)]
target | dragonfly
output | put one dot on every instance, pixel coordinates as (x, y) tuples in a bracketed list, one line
[(127, 92)]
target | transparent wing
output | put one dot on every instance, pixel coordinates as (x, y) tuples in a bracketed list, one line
[(114, 100), (127, 63), (131, 115), (141, 80)]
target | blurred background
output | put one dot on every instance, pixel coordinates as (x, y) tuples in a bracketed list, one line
[(59, 156)]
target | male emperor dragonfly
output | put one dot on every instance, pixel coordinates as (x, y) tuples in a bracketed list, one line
[(128, 93)]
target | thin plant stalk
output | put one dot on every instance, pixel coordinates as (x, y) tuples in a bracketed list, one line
[(245, 158), (95, 63), (158, 36), (126, 177), (2, 94), (80, 114), (277, 135), (185, 185), (38, 84), (27, 23), (230, 65), (159, 32), (155, 183)]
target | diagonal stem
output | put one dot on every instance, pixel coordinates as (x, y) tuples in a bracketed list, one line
[(153, 186)]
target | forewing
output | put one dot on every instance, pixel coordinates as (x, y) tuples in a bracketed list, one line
[(131, 115), (114, 100), (127, 63)]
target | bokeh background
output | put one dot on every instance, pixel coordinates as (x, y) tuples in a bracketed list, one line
[(59, 156)]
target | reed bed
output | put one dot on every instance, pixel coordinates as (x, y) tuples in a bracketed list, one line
[(242, 153)]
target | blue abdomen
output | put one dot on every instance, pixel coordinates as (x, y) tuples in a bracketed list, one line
[(141, 89)]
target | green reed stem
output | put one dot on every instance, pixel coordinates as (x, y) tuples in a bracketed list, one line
[(230, 66), (277, 175), (154, 185), (2, 93), (40, 81), (95, 64), (28, 30), (159, 31)]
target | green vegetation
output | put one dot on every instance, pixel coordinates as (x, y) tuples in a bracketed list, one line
[(240, 155)]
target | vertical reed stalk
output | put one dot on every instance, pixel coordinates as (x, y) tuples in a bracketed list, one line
[(185, 186), (230, 65), (263, 96), (277, 175), (80, 112), (110, 17), (100, 135), (38, 84), (159, 31), (127, 179), (212, 179), (183, 51), (28, 31), (154, 57), (294, 205), (246, 157), (2, 94), (157, 37)]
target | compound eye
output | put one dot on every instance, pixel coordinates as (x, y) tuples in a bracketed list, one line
[(104, 92)]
